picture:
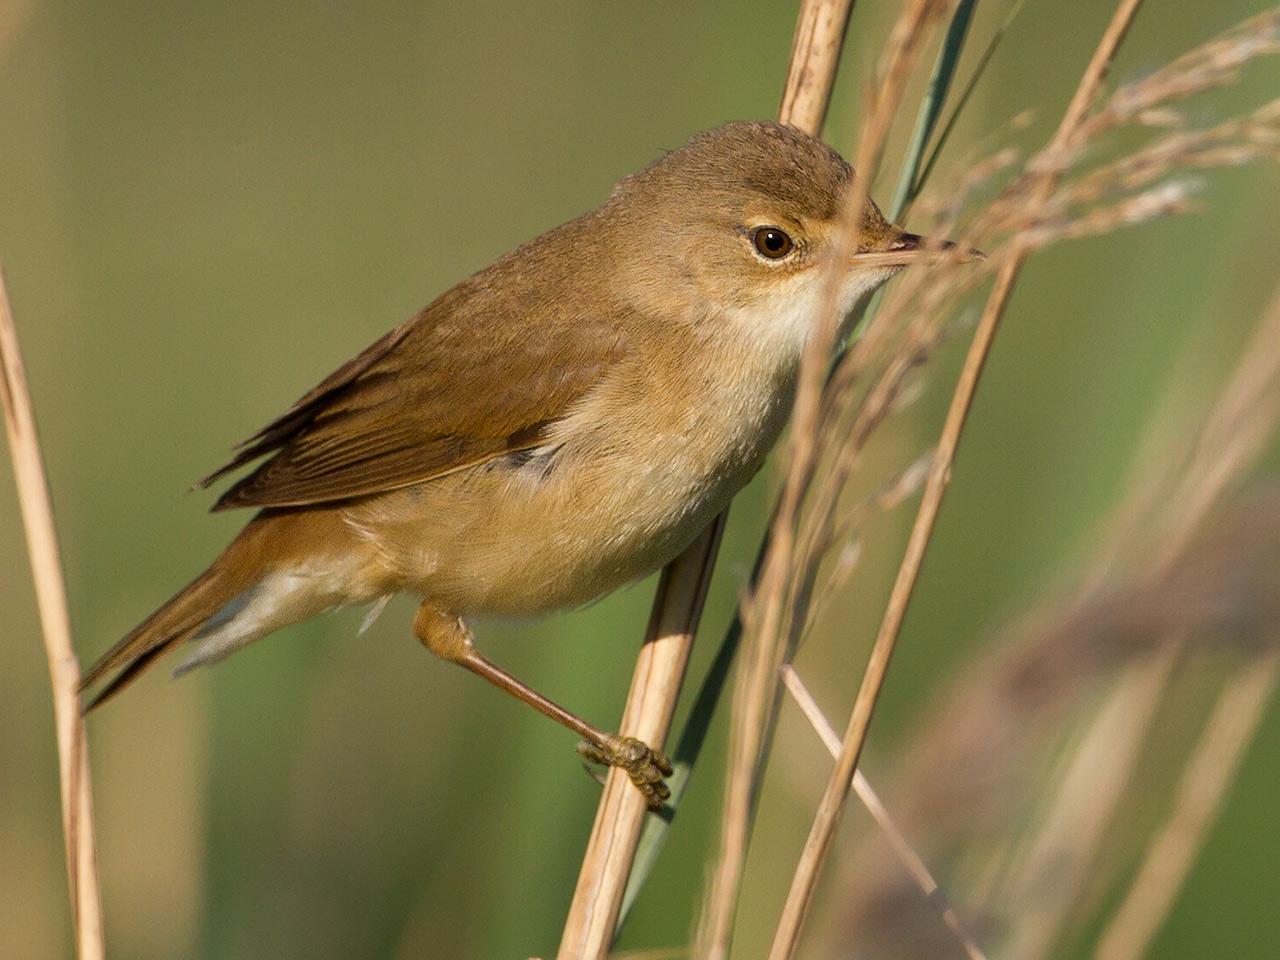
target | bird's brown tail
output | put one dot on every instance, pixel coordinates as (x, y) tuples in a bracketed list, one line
[(247, 593), (185, 615)]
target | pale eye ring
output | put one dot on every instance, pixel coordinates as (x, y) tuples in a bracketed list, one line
[(772, 243)]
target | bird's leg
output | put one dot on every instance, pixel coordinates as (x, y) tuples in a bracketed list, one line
[(450, 639)]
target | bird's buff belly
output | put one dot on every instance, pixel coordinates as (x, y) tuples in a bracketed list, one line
[(542, 541)]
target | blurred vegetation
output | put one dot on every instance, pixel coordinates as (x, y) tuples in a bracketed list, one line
[(206, 207)]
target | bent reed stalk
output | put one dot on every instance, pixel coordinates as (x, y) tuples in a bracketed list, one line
[(64, 669)]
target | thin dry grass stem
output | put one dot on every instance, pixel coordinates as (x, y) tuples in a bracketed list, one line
[(1234, 433), (64, 668), (917, 307), (590, 924), (831, 806), (1232, 143), (842, 532), (1238, 426), (911, 861), (974, 769), (1035, 211), (1160, 517), (1201, 791), (1034, 217), (764, 617), (905, 42), (1232, 436)]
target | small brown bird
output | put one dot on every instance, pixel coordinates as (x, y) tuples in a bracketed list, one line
[(563, 422)]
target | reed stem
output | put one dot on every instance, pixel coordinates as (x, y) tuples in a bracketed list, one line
[(55, 623)]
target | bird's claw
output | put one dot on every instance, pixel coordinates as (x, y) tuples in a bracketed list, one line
[(645, 766)]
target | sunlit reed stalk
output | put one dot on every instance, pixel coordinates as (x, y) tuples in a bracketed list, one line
[(592, 921), (1038, 217), (64, 669), (593, 913), (1154, 202), (831, 806)]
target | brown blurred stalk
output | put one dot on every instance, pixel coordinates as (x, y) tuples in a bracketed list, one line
[(602, 881), (1235, 430), (1210, 772), (831, 806), (64, 669), (1097, 776)]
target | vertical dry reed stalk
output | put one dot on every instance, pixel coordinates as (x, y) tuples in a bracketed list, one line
[(64, 669), (831, 806), (1035, 215), (1232, 438), (1034, 212), (602, 880), (593, 912)]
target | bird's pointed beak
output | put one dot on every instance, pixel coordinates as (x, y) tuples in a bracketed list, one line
[(900, 249)]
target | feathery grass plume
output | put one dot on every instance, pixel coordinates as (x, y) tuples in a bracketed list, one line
[(978, 766), (830, 808), (1182, 578), (1040, 206), (872, 377)]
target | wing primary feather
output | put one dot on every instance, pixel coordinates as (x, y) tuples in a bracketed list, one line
[(289, 424), (443, 392)]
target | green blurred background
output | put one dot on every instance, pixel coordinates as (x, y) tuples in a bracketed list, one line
[(206, 207)]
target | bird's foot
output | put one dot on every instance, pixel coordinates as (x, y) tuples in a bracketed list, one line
[(643, 764)]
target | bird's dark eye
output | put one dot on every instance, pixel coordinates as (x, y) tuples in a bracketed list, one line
[(772, 243)]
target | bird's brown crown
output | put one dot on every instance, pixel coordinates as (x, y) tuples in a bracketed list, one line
[(771, 164), (731, 217)]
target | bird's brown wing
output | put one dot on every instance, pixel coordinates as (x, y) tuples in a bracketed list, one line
[(439, 393)]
